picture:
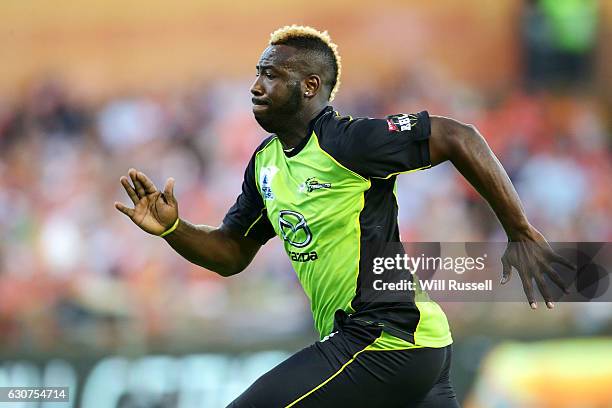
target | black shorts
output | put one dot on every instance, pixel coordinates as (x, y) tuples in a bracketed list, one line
[(342, 371)]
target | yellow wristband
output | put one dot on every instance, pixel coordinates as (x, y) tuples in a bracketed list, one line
[(171, 229)]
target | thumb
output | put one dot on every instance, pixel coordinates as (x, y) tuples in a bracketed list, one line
[(127, 211), (507, 271), (169, 190)]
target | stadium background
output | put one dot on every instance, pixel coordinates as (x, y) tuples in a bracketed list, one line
[(88, 90)]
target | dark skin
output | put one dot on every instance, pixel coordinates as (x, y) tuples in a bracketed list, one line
[(287, 94), (291, 98)]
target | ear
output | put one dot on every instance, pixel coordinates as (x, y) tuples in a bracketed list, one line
[(311, 85)]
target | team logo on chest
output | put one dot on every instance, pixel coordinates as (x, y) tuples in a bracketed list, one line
[(266, 174), (311, 184)]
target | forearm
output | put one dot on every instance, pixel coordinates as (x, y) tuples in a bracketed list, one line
[(207, 246), (465, 147)]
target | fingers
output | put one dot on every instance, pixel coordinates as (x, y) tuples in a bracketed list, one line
[(169, 190), (127, 211), (140, 191), (142, 184), (554, 276), (147, 184), (561, 260), (544, 290), (507, 271), (128, 188), (528, 288)]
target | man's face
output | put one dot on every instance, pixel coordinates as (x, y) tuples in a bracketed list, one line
[(277, 91)]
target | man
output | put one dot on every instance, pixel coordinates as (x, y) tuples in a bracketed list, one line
[(324, 184)]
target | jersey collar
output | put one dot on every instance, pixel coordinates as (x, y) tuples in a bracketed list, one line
[(311, 126)]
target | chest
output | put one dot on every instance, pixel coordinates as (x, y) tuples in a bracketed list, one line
[(311, 187)]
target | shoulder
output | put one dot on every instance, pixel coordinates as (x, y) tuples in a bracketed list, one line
[(263, 146), (336, 133), (345, 134), (337, 127), (332, 125), (377, 147), (250, 169), (265, 143)]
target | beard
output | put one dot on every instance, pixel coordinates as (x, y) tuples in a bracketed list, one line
[(276, 116)]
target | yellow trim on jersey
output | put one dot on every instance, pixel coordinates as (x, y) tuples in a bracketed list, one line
[(255, 162), (334, 374), (389, 342), (316, 138), (350, 305), (254, 222), (376, 345), (402, 172)]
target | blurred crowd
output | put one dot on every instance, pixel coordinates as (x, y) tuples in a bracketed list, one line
[(79, 281), (74, 272)]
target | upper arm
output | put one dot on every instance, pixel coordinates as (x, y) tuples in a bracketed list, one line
[(241, 249), (447, 136)]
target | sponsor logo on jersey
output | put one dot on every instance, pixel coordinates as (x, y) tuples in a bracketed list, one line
[(266, 174), (294, 228), (311, 184), (303, 256), (401, 122)]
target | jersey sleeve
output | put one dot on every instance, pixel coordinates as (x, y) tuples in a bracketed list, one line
[(248, 216), (381, 148)]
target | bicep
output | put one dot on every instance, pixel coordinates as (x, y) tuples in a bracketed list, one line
[(447, 137)]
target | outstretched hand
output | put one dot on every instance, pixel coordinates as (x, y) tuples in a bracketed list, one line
[(532, 257), (154, 211)]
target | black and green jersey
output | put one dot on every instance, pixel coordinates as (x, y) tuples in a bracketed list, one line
[(330, 200)]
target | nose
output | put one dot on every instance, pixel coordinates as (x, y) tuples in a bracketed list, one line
[(256, 88)]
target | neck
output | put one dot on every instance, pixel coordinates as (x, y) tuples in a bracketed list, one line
[(296, 129)]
